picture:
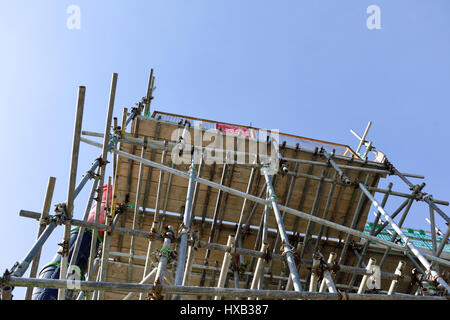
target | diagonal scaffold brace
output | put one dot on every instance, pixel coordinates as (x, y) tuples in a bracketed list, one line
[(287, 248), (181, 261)]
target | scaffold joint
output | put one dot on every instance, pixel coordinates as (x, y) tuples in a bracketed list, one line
[(267, 255), (4, 279), (101, 162), (64, 251), (60, 216), (169, 233), (343, 295), (155, 294)]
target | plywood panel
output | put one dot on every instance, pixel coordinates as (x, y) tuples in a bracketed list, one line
[(341, 209)]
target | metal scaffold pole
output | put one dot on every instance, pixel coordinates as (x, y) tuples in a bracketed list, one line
[(394, 282), (181, 260), (68, 207), (137, 205), (212, 291), (44, 215), (327, 281), (405, 239), (287, 250), (103, 162), (164, 256), (225, 266), (103, 268)]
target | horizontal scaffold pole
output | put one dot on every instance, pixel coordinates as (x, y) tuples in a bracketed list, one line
[(209, 291), (206, 245)]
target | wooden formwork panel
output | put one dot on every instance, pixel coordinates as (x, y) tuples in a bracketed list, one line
[(302, 198), (341, 209)]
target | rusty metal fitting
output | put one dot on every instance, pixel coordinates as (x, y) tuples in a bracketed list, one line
[(195, 239), (44, 221), (267, 255), (155, 294), (152, 235), (343, 295), (64, 250), (288, 250), (4, 280), (60, 216), (335, 267), (101, 162), (169, 233)]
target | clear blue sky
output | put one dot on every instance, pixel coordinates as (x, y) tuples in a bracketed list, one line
[(310, 68)]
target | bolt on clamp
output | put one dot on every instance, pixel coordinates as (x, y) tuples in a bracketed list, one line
[(169, 233), (155, 294), (64, 251), (287, 249), (44, 221), (6, 275), (60, 216)]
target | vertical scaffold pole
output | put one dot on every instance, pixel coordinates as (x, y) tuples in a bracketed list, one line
[(114, 156), (327, 279), (258, 270), (103, 269), (164, 255), (433, 229), (190, 260), (363, 138), (102, 172), (157, 221), (70, 192), (149, 96), (137, 205), (82, 294), (214, 220), (225, 265), (363, 284), (287, 251), (353, 224), (394, 282), (314, 274), (181, 261), (244, 204), (45, 211)]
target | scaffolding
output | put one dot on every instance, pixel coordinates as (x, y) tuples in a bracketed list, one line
[(201, 209)]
